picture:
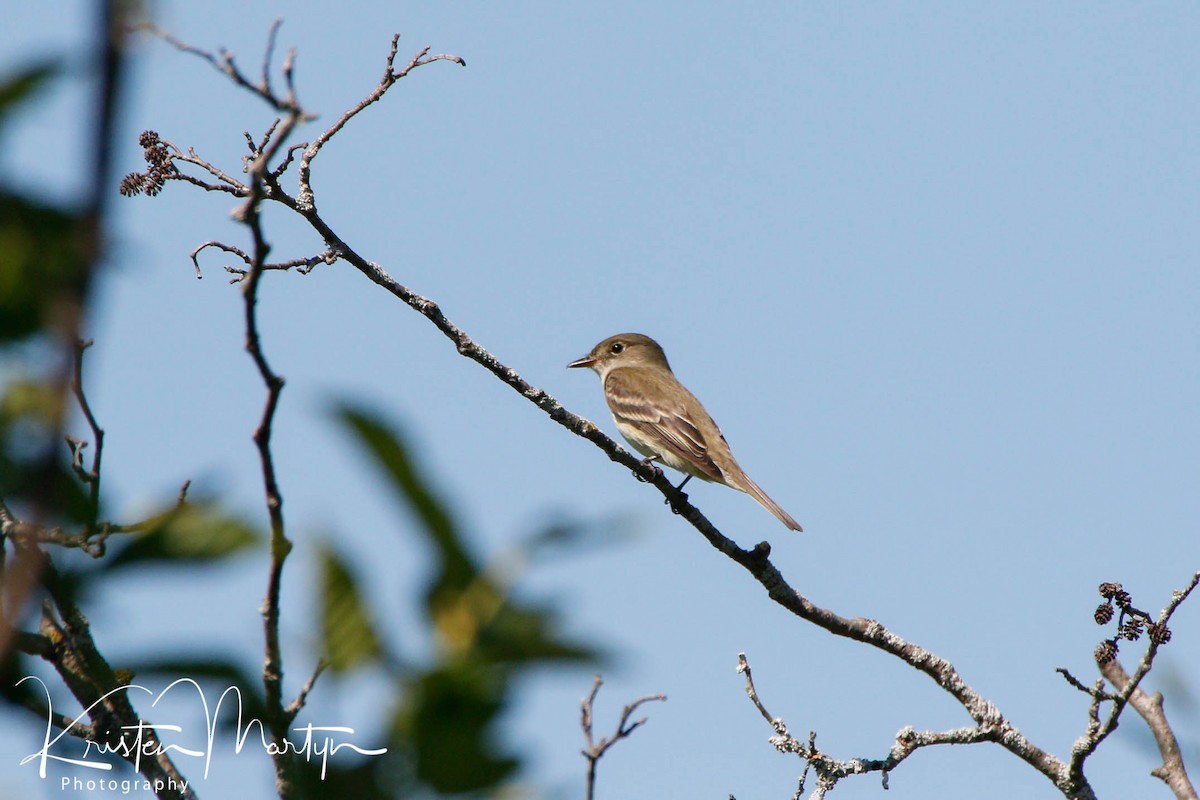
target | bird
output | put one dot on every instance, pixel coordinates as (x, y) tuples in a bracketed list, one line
[(662, 420)]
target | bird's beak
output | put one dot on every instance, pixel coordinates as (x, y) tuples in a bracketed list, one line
[(586, 361)]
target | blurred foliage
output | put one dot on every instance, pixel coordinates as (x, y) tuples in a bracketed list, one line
[(42, 264), (445, 714), (43, 259), (192, 534)]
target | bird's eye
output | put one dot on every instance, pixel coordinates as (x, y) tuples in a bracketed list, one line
[(616, 347)]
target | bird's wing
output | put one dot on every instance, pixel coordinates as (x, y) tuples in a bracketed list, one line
[(670, 428)]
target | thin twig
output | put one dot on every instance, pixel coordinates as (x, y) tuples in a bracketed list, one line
[(389, 79), (268, 54), (223, 62), (92, 477), (596, 750), (228, 183), (228, 248), (744, 668), (301, 265), (1091, 691), (294, 707)]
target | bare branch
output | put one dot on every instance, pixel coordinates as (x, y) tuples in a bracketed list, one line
[(830, 770), (1091, 691), (269, 52), (744, 668), (228, 248), (1150, 707), (287, 160), (228, 183), (596, 750), (301, 265), (1098, 731), (223, 62), (389, 79)]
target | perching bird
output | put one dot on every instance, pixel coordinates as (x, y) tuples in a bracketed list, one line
[(663, 420)]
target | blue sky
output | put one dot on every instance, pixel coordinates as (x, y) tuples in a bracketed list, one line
[(932, 267)]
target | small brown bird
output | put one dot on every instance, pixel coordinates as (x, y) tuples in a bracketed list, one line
[(663, 420)]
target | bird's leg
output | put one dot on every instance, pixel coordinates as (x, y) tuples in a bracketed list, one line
[(652, 471), (682, 495)]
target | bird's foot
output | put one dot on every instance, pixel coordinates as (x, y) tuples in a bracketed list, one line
[(647, 471), (676, 502)]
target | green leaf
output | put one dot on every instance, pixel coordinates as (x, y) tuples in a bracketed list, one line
[(350, 638), (191, 534)]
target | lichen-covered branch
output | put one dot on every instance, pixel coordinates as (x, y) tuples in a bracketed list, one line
[(830, 770)]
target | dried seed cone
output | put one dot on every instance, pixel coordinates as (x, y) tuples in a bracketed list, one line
[(1104, 614), (1159, 634), (1106, 652)]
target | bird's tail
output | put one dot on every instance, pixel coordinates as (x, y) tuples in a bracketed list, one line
[(751, 488)]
